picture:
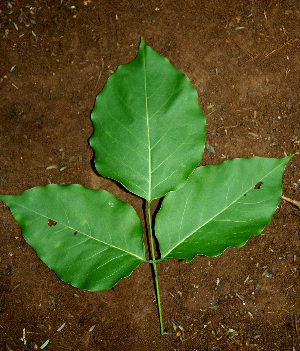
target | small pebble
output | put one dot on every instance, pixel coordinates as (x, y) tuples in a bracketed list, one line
[(92, 328), (61, 327), (210, 148), (51, 167), (268, 274)]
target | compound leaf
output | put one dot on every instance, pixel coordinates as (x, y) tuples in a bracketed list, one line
[(149, 131), (219, 206), (88, 237)]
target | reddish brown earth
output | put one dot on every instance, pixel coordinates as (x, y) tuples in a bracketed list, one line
[(243, 59)]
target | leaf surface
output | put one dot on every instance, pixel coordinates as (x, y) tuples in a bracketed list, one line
[(88, 237), (149, 131), (220, 206)]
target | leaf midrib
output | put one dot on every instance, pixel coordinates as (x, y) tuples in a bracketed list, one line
[(78, 231), (148, 127)]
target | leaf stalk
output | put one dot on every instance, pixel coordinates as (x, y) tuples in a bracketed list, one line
[(153, 262)]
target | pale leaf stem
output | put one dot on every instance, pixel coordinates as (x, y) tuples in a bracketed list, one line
[(152, 254)]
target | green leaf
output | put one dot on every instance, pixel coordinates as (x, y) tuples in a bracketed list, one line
[(149, 131), (220, 206), (88, 237)]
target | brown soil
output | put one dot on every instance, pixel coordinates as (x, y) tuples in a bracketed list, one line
[(243, 59)]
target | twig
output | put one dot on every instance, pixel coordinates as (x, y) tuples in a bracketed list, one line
[(24, 336), (281, 47), (294, 202), (295, 322), (102, 64), (228, 127), (254, 57)]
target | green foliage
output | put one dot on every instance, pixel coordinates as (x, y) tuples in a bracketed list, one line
[(219, 206), (88, 237), (149, 135), (149, 131)]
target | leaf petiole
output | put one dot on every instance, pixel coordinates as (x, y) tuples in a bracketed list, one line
[(153, 262)]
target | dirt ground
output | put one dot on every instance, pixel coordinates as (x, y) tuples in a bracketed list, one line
[(243, 59)]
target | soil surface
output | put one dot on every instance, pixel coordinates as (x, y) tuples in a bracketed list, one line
[(243, 59)]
